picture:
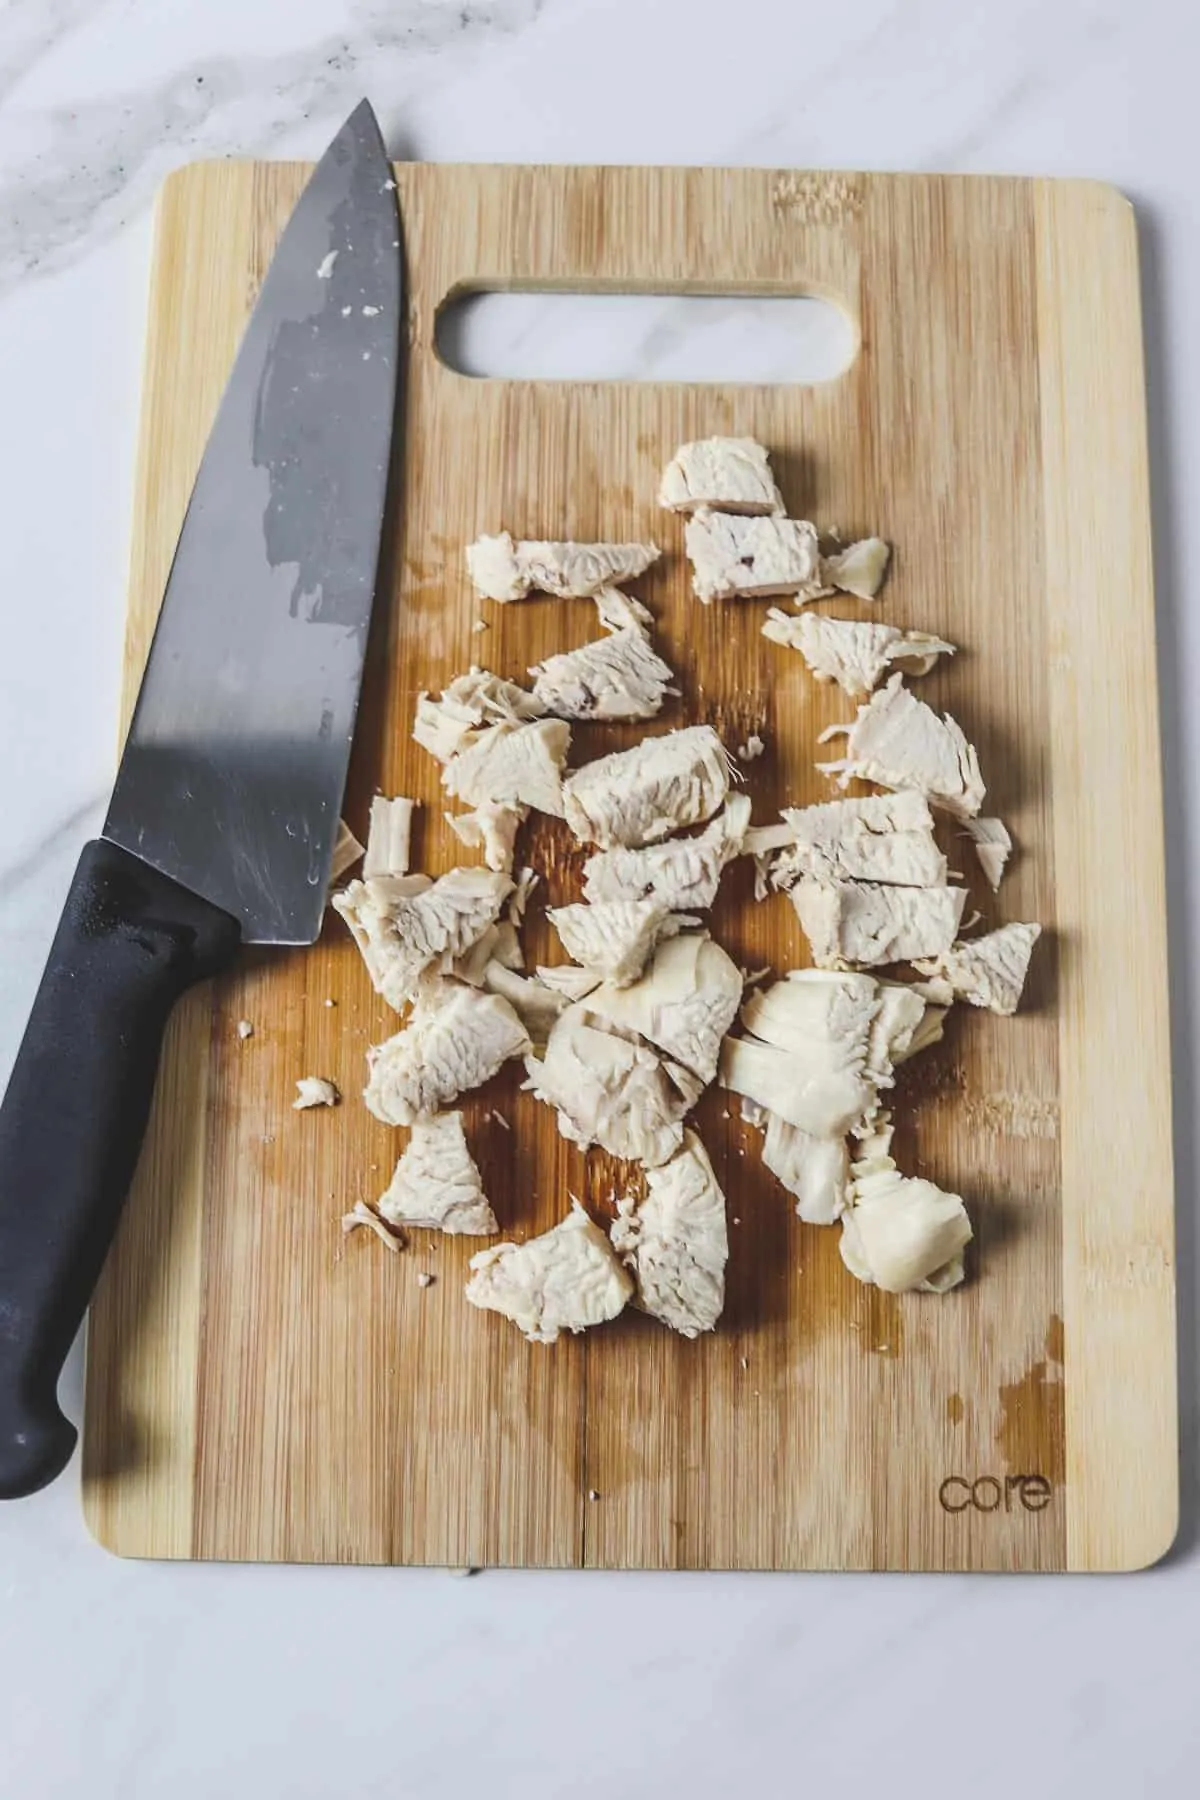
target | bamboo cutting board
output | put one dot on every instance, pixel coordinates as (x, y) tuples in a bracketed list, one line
[(259, 1387)]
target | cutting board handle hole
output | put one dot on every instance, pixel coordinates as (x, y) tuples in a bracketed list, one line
[(726, 338)]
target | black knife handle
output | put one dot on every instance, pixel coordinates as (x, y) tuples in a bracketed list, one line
[(129, 943)]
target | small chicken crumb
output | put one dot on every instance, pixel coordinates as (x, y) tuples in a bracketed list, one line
[(314, 1090), (593, 1494), (245, 1029), (425, 1279), (330, 1002), (751, 749), (500, 1120), (361, 1214), (481, 625)]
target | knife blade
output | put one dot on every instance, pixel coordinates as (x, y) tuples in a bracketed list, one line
[(226, 803)]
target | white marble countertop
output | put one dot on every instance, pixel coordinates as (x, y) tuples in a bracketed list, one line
[(131, 1680)]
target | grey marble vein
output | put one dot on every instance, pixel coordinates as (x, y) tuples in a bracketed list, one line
[(100, 160)]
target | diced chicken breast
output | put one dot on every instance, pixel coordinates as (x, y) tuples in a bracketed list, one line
[(564, 1280), (864, 923), (675, 1243), (855, 653), (471, 701), (732, 555), (504, 570), (620, 612), (492, 828), (993, 847), (815, 1170), (499, 943), (733, 475), (615, 677), (988, 971), (607, 1091), (537, 1005), (436, 1184), (615, 937), (901, 1232), (566, 979), (641, 795), (806, 1058), (314, 1090), (346, 852), (456, 1039), (682, 874), (403, 925), (884, 837), (859, 568), (520, 765), (389, 837), (899, 742), (683, 1004)]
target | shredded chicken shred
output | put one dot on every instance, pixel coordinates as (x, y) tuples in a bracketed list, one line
[(899, 742), (506, 570), (492, 827), (436, 1184), (406, 925), (516, 765), (615, 677), (735, 556), (988, 971), (456, 1039), (731, 475), (854, 653), (608, 1091), (675, 1242), (884, 837), (614, 937), (389, 837), (565, 1280), (865, 924), (901, 1232), (993, 847), (639, 796), (682, 874)]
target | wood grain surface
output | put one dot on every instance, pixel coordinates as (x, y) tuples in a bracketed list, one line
[(259, 1387)]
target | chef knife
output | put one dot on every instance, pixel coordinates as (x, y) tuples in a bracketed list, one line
[(226, 804)]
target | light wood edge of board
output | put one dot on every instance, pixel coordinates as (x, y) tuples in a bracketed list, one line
[(1122, 1485), (149, 1512)]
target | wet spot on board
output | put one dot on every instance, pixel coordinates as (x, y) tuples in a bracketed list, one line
[(955, 1409), (1032, 1430)]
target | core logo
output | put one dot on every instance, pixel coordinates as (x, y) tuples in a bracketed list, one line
[(993, 1493)]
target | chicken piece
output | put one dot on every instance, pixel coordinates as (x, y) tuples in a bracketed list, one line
[(614, 937), (901, 1232), (732, 555), (527, 879), (898, 1024), (989, 971), (620, 612), (566, 979), (806, 1056), (884, 837), (346, 852), (853, 652), (682, 874), (899, 742), (314, 1090), (675, 1243), (732, 475), (403, 925), (362, 1218), (471, 701), (565, 1280), (859, 568), (993, 847), (815, 1170), (614, 677), (504, 570), (607, 1091), (500, 943), (436, 1184), (638, 796), (683, 1004), (456, 1039), (492, 828), (389, 838), (863, 923), (520, 765), (537, 1005), (752, 749)]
